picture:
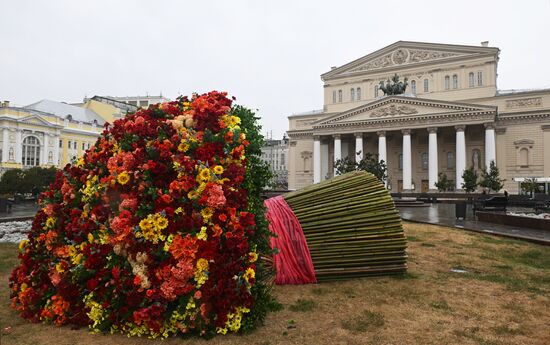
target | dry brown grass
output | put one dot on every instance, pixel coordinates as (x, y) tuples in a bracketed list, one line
[(504, 298)]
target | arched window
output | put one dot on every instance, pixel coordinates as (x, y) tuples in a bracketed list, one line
[(340, 96), (471, 81), (455, 81), (413, 87), (447, 82), (400, 161), (31, 151), (358, 93), (334, 96), (426, 85), (479, 78), (450, 160), (524, 157), (424, 158), (352, 94), (375, 91)]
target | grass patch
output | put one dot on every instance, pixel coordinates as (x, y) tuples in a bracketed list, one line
[(412, 239), (367, 320), (8, 257), (507, 330), (319, 291), (427, 244), (441, 305), (302, 305), (405, 275)]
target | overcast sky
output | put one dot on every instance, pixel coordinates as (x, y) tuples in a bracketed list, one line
[(268, 54)]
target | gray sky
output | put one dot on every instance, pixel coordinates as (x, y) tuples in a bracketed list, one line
[(269, 55)]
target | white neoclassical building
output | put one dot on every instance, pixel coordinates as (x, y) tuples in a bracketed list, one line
[(451, 117)]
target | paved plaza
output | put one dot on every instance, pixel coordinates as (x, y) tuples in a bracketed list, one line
[(444, 214)]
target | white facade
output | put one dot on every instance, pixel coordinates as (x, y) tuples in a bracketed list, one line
[(275, 153), (452, 119)]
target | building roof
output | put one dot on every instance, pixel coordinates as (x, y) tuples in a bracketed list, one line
[(62, 110)]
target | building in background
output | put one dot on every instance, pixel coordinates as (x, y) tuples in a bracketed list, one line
[(275, 153), (452, 117), (50, 133)]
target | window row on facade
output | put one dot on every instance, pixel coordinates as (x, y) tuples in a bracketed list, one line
[(474, 79)]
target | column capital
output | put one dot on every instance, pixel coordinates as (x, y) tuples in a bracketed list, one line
[(406, 131), (545, 128), (489, 125), (432, 129), (359, 135), (316, 137), (460, 128), (381, 133), (336, 136)]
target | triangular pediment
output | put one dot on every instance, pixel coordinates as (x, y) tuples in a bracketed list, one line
[(390, 107), (404, 53), (36, 120)]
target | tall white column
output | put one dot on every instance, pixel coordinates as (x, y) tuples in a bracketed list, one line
[(432, 158), (316, 159), (18, 146), (45, 146), (337, 148), (407, 161), (460, 156), (56, 150), (382, 147), (358, 146), (490, 145), (5, 145)]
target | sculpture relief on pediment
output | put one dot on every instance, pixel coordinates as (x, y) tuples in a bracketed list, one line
[(403, 56), (393, 110), (524, 102)]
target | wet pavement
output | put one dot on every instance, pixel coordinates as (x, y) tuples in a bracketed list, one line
[(444, 214), (24, 210)]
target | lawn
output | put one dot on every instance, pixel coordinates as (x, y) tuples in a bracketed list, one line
[(499, 294)]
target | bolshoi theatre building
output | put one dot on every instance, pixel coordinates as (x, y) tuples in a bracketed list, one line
[(451, 117)]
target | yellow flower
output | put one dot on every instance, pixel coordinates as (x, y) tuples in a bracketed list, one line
[(90, 237), (179, 210), (183, 146), (204, 175), (207, 213), (192, 194), (202, 264), (123, 178), (160, 221), (202, 234), (252, 257), (50, 222), (249, 273), (23, 244), (59, 268), (145, 224), (218, 170), (24, 287), (80, 162)]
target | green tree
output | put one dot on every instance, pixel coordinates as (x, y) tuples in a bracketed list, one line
[(369, 163), (37, 178), (12, 182), (529, 185), (491, 179), (470, 180), (443, 183)]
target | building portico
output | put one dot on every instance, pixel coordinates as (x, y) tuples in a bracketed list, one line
[(456, 120)]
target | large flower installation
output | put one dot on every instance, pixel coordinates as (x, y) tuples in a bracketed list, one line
[(157, 230)]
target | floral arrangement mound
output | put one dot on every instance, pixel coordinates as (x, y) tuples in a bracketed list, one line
[(157, 229)]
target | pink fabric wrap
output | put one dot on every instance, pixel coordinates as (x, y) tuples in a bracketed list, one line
[(293, 261)]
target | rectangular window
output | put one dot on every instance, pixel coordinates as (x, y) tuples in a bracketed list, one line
[(426, 85), (143, 103), (479, 78), (69, 142), (132, 102), (83, 146), (60, 143), (74, 144), (334, 96), (358, 93)]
